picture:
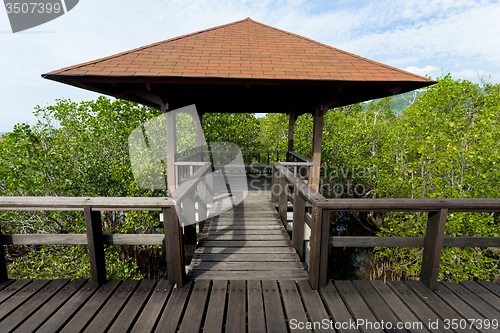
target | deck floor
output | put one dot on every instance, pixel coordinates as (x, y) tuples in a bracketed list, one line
[(243, 306), (247, 241)]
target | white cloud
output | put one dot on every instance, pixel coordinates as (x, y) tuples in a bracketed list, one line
[(427, 70)]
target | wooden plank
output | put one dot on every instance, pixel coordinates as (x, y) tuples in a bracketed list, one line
[(245, 237), (4, 277), (196, 307), (10, 289), (366, 241), (491, 286), (296, 274), (275, 317), (81, 239), (49, 308), (150, 315), (264, 228), (20, 297), (397, 306), (65, 313), (314, 306), (171, 315), (256, 318), (89, 309), (433, 243), (5, 284), (247, 266), (78, 203), (442, 299), (245, 257), (298, 223), (356, 306), (112, 308), (239, 232), (295, 312), (377, 305), (244, 243), (483, 293), (29, 308), (216, 305), (236, 309), (132, 307), (337, 309), (241, 250), (96, 249), (485, 309), (314, 173), (314, 261), (419, 308), (412, 205)]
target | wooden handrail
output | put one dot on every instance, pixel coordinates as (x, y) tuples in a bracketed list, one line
[(432, 243), (93, 238)]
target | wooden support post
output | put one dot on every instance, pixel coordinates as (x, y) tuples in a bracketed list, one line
[(275, 186), (433, 243), (283, 200), (188, 211), (314, 173), (202, 203), (96, 246), (210, 188), (3, 263), (173, 247), (314, 261), (325, 241), (171, 150), (299, 208), (291, 125)]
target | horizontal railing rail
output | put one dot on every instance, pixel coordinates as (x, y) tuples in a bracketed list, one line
[(287, 187), (94, 238)]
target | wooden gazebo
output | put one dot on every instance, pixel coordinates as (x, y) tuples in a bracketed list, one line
[(244, 66)]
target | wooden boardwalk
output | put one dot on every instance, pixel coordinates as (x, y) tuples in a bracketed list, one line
[(244, 306), (247, 241)]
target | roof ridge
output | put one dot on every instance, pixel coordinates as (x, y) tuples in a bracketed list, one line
[(64, 69), (339, 50)]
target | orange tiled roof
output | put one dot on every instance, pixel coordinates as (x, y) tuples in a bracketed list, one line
[(243, 49)]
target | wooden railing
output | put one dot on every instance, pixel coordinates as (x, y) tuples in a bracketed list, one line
[(255, 161), (289, 188), (94, 238)]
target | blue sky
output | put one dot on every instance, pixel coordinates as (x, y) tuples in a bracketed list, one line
[(423, 36)]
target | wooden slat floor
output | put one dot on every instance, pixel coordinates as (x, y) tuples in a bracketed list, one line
[(246, 306), (247, 241)]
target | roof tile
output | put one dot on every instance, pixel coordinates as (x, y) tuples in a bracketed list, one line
[(243, 49)]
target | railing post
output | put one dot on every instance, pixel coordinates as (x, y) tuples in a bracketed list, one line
[(299, 207), (325, 240), (3, 263), (202, 204), (274, 182), (188, 212), (173, 246), (433, 243), (96, 247), (283, 200), (314, 268)]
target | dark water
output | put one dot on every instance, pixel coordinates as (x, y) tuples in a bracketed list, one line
[(351, 263)]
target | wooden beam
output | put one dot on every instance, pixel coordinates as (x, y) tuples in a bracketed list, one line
[(314, 173), (96, 246), (314, 261), (433, 243), (282, 199), (3, 263), (324, 247)]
